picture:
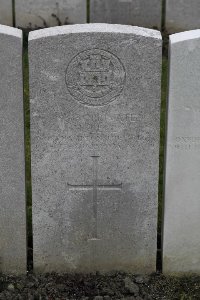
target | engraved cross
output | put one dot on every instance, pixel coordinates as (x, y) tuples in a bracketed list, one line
[(95, 187)]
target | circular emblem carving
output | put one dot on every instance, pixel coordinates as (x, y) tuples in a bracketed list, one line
[(95, 77)]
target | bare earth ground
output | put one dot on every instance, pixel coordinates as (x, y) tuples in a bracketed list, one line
[(119, 286)]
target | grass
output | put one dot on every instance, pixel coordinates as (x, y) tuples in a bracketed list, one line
[(162, 136), (27, 151)]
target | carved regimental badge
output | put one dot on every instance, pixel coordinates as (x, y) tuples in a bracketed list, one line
[(95, 77)]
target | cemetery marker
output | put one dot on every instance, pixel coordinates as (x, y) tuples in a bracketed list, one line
[(12, 158), (145, 13), (6, 14), (181, 234), (95, 125), (182, 15), (48, 13)]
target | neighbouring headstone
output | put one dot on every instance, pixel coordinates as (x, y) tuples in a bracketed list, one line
[(6, 17), (95, 106), (12, 160), (182, 15), (181, 241), (47, 13), (145, 13)]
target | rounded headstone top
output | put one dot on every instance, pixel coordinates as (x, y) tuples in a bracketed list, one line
[(103, 28), (7, 30), (184, 36)]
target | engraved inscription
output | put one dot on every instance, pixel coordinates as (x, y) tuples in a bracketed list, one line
[(95, 77), (95, 187), (187, 143)]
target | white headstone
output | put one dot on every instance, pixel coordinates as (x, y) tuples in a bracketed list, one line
[(145, 13), (6, 15), (95, 107), (47, 13), (182, 15), (12, 159), (181, 244)]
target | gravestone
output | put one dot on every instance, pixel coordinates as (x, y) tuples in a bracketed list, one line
[(95, 103), (6, 17), (12, 161), (145, 13), (181, 242), (47, 13), (182, 15)]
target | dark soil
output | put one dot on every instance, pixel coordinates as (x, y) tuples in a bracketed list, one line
[(99, 287)]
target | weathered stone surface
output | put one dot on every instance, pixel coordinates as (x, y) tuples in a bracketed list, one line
[(47, 13), (182, 15), (95, 103), (6, 12), (12, 161), (145, 13), (182, 207)]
